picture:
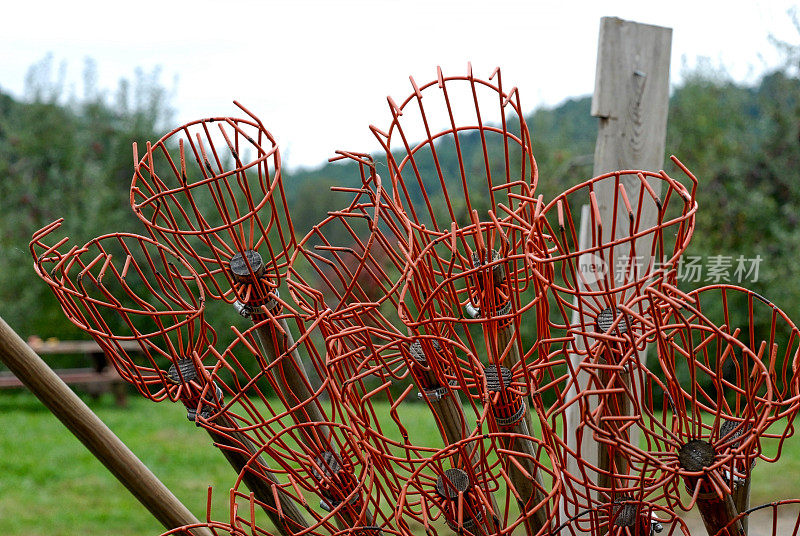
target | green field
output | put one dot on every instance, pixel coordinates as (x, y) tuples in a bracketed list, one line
[(51, 485)]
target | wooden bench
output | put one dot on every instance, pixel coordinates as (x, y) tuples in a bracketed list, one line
[(98, 379)]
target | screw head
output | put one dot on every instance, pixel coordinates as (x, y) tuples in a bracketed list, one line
[(457, 481), (182, 372), (418, 354), (624, 515), (606, 319), (244, 262), (330, 465), (493, 383), (696, 455)]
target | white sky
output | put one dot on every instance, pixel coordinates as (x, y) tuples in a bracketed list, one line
[(318, 72)]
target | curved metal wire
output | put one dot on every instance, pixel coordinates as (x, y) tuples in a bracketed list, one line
[(468, 487), (779, 517), (625, 517), (122, 288), (212, 188), (456, 292), (484, 126), (645, 236)]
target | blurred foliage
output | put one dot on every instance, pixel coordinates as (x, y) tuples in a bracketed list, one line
[(71, 158), (66, 158)]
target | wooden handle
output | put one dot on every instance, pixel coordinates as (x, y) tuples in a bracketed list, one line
[(239, 451), (93, 433), (290, 373)]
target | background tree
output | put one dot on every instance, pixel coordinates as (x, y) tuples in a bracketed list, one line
[(61, 156)]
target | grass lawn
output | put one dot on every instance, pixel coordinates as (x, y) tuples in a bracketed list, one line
[(51, 485)]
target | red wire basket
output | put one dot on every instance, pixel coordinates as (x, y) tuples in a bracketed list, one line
[(483, 124), (141, 302), (467, 487), (585, 279), (212, 188)]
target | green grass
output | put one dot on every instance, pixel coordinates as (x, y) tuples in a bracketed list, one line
[(51, 485)]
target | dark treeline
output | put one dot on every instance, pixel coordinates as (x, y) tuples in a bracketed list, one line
[(72, 158)]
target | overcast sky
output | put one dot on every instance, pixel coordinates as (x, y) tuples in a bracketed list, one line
[(318, 72)]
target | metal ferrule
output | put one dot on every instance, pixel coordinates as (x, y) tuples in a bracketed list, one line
[(510, 409), (435, 394), (242, 308), (513, 420), (249, 310), (205, 412)]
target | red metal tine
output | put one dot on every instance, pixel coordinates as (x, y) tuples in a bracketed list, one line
[(220, 528), (213, 189), (123, 288), (484, 124), (339, 488), (352, 257), (584, 278), (625, 517), (454, 488), (253, 411), (779, 517)]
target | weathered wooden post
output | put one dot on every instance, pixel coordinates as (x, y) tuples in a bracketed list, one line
[(631, 100)]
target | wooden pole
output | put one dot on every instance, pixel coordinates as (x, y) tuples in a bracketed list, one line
[(631, 100), (93, 433), (240, 451), (510, 411), (716, 511), (290, 373), (444, 402), (739, 486)]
